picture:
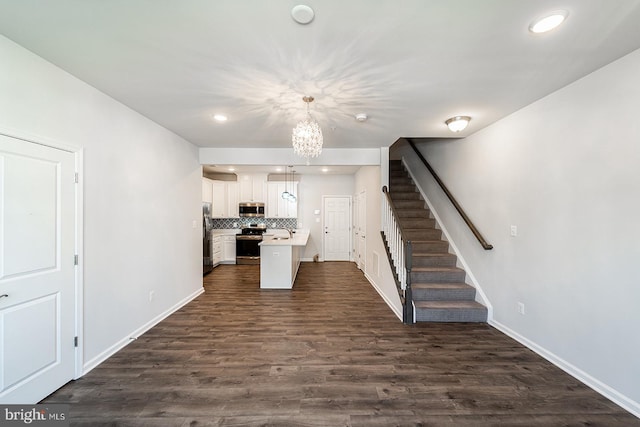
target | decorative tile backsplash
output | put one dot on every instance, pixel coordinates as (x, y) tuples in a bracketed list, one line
[(225, 223)]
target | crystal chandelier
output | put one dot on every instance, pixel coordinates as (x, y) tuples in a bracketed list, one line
[(307, 135)]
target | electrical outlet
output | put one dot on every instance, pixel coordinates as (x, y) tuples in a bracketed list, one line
[(521, 308), (514, 230), (152, 294)]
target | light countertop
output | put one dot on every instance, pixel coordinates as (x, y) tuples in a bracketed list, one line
[(225, 231), (281, 238)]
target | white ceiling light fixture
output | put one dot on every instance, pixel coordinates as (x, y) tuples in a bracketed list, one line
[(307, 135), (302, 14), (361, 117), (457, 123), (220, 117), (548, 22)]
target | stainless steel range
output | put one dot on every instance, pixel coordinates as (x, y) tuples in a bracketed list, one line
[(247, 249)]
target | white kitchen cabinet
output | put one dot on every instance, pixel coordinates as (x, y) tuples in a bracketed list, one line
[(219, 208), (207, 190), (225, 199), (277, 207), (229, 249), (252, 187), (273, 198), (216, 249), (232, 201)]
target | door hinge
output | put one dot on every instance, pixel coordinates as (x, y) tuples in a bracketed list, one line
[(76, 178), (75, 341), (75, 260)]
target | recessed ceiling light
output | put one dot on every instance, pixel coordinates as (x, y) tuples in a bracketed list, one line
[(457, 123), (548, 22), (325, 169), (231, 169), (278, 169), (220, 117)]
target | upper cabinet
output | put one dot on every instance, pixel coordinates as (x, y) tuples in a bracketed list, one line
[(225, 199), (277, 207), (252, 187), (207, 190)]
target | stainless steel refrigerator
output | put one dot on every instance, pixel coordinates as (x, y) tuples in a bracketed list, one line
[(207, 260)]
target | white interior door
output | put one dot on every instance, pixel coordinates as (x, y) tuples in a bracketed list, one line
[(337, 228), (37, 280)]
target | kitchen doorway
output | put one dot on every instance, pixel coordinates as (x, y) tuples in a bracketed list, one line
[(336, 228)]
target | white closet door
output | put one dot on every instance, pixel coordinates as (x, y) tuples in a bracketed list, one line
[(37, 285)]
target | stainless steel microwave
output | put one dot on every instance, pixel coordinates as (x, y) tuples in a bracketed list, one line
[(254, 210)]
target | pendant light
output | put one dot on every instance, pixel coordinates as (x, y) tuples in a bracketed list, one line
[(285, 193), (292, 197)]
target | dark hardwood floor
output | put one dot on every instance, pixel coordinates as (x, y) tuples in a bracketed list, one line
[(327, 353)]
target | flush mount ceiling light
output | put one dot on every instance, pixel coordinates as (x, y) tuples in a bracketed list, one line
[(302, 14), (361, 117), (548, 22), (457, 123), (220, 117), (307, 135)]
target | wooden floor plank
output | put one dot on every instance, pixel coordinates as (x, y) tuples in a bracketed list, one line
[(327, 353)]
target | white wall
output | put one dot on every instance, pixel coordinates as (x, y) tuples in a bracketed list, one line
[(378, 272), (565, 171), (141, 194), (311, 188)]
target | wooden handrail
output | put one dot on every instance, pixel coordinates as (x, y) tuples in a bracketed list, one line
[(453, 200)]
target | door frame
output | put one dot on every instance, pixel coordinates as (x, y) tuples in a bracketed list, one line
[(78, 153), (362, 223), (350, 197)]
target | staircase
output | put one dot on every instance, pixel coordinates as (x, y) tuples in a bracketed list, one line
[(440, 293)]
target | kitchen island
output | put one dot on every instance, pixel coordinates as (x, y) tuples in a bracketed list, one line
[(280, 254)]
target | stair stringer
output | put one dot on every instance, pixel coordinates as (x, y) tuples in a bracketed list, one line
[(481, 297)]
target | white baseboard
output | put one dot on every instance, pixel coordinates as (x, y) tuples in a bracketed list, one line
[(598, 386), (136, 333), (384, 297)]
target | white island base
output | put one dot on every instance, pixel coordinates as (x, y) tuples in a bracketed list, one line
[(280, 259)]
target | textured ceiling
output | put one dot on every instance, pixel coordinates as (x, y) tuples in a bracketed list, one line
[(408, 64)]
